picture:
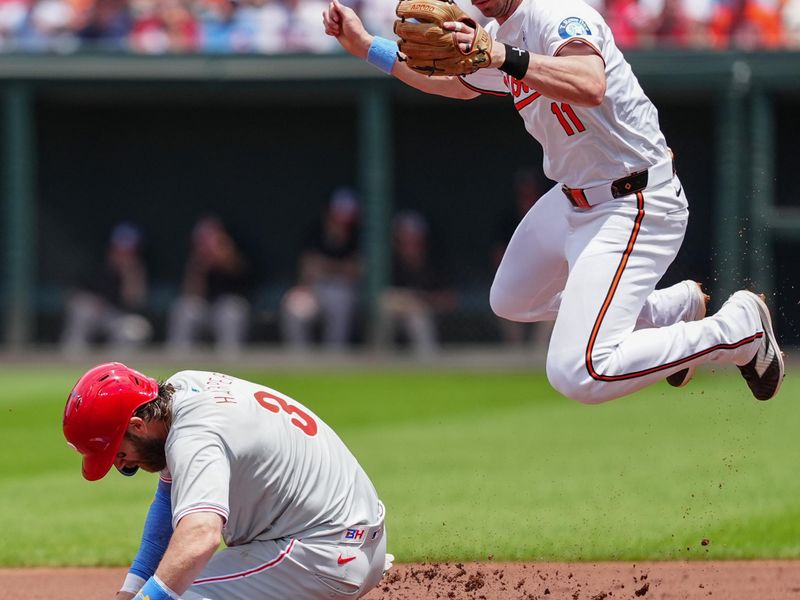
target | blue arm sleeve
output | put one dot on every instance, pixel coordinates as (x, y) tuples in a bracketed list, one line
[(157, 533)]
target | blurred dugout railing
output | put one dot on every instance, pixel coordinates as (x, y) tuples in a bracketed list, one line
[(732, 116)]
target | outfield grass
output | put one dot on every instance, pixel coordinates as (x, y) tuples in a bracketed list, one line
[(468, 465)]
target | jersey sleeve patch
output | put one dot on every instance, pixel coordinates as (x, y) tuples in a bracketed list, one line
[(573, 27)]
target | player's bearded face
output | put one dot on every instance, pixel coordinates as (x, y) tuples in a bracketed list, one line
[(150, 453)]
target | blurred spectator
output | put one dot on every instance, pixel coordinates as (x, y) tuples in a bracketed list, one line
[(791, 22), (13, 16), (305, 33), (291, 26), (527, 189), (627, 19), (105, 25), (49, 28), (673, 22), (161, 26), (108, 304), (747, 24), (213, 298), (270, 21), (416, 292), (228, 26), (685, 23), (327, 288), (376, 18)]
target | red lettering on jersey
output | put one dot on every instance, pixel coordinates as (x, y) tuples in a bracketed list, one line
[(518, 87), (523, 103), (301, 419), (224, 399)]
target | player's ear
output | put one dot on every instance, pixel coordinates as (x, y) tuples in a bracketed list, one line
[(137, 426)]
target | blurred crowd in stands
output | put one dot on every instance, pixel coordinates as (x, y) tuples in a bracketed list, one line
[(294, 26), (215, 303)]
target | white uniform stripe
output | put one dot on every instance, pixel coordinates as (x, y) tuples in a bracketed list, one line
[(195, 509), (249, 572)]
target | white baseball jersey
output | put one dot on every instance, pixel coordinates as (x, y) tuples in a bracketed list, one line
[(583, 147), (261, 460)]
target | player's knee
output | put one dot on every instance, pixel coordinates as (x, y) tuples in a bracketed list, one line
[(502, 304), (575, 383), (580, 391)]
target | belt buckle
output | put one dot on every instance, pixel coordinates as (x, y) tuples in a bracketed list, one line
[(576, 196), (630, 184)]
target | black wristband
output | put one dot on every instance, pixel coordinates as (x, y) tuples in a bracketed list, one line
[(516, 63)]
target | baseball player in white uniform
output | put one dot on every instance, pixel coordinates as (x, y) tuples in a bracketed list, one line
[(591, 251), (239, 462)]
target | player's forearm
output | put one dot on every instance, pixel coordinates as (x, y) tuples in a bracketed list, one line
[(576, 76), (566, 79), (449, 87), (193, 543)]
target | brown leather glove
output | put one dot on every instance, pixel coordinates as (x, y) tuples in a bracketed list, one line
[(428, 48)]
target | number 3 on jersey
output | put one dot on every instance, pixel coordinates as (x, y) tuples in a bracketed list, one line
[(301, 419), (564, 111)]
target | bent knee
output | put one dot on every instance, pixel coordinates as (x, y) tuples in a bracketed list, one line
[(576, 384), (513, 307), (502, 305)]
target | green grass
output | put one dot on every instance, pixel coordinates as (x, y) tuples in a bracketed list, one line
[(468, 465)]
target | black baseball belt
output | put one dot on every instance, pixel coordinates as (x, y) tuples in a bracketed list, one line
[(625, 186)]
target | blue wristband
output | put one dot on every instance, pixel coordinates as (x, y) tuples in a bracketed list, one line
[(154, 589), (382, 54)]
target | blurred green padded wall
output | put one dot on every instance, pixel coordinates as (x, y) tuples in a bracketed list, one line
[(263, 142)]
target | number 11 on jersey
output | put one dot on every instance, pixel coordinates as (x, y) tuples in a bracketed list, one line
[(564, 111)]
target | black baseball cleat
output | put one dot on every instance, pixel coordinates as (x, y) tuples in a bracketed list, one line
[(700, 300), (764, 374)]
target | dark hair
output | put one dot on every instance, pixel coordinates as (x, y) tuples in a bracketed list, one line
[(159, 409)]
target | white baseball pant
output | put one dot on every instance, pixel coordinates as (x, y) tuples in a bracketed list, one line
[(594, 271)]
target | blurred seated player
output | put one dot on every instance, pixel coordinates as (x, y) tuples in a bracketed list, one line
[(214, 292), (526, 191), (108, 304), (238, 461), (416, 292), (327, 288)]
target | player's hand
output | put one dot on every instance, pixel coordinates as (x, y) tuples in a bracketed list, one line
[(464, 34), (344, 24)]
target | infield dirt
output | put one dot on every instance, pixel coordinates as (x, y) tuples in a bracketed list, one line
[(729, 580)]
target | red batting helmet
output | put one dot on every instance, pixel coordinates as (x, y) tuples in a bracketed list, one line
[(98, 411)]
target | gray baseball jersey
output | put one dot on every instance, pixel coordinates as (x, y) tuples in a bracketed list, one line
[(263, 461)]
